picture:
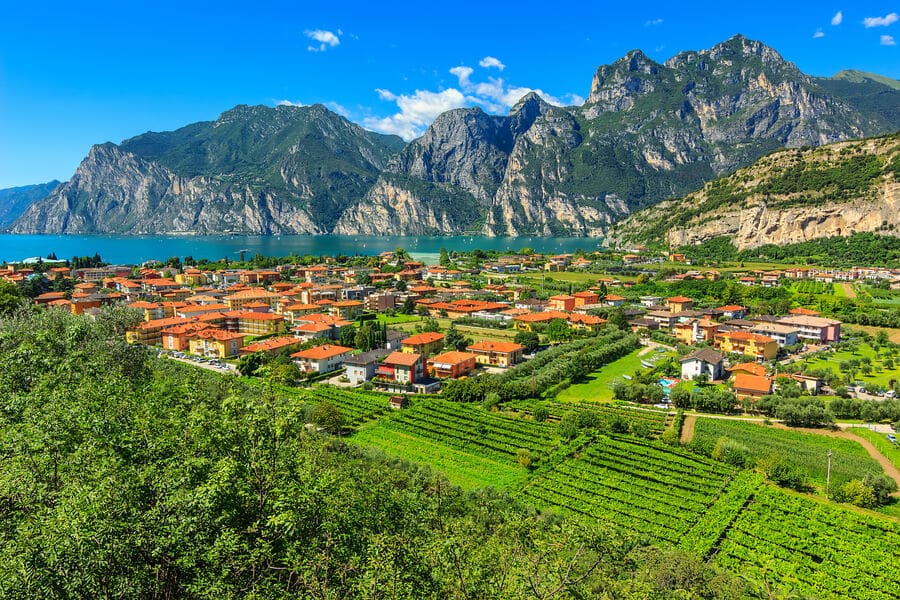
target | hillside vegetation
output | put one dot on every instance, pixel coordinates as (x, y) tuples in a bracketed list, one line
[(786, 197)]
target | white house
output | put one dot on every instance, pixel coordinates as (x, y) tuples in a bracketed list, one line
[(703, 361)]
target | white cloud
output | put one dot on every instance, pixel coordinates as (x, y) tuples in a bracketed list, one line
[(327, 39), (838, 18), (818, 34), (489, 61), (462, 73), (288, 103), (417, 111), (339, 109), (881, 21), (888, 40), (653, 23)]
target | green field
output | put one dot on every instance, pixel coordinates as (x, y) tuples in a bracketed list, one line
[(598, 386), (807, 451), (890, 450), (832, 360)]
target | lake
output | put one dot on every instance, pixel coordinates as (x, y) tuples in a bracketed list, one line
[(137, 249)]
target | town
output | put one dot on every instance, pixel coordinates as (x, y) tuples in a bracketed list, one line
[(402, 326)]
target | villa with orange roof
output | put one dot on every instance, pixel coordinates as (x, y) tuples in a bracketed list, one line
[(401, 367), (562, 302), (258, 323), (423, 343), (149, 333), (216, 343), (178, 337), (453, 364), (321, 359), (237, 300), (500, 354), (751, 386), (679, 304), (743, 342)]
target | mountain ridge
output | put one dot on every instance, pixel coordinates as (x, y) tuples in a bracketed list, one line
[(648, 131)]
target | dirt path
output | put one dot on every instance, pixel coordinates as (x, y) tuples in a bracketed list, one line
[(687, 428), (848, 290)]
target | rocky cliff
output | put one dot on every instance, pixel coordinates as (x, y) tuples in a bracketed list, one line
[(14, 201), (648, 131), (254, 170), (787, 197)]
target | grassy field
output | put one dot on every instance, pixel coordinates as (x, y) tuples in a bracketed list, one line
[(808, 451), (880, 441), (831, 360), (598, 387)]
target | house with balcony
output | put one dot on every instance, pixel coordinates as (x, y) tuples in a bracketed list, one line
[(743, 342), (424, 343), (453, 364), (498, 354), (321, 359)]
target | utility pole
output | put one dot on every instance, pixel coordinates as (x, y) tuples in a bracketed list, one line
[(828, 475)]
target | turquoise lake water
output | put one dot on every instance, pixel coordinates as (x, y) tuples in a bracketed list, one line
[(137, 249)]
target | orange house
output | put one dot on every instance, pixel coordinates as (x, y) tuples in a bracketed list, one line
[(582, 298), (452, 364), (423, 343), (562, 302)]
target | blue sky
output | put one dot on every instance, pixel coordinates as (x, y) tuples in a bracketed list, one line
[(74, 74)]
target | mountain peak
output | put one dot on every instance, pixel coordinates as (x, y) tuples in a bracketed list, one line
[(531, 101)]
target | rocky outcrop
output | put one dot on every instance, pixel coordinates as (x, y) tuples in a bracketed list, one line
[(787, 197), (757, 224)]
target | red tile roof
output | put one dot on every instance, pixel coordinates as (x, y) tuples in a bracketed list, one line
[(321, 352), (405, 359), (492, 346), (429, 337)]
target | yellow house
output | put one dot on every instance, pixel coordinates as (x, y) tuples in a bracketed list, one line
[(191, 277), (260, 323), (346, 309), (423, 343), (684, 333), (217, 343), (744, 342)]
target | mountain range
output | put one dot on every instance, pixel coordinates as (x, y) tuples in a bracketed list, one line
[(648, 131)]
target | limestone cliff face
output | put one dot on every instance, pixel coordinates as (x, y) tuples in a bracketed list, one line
[(787, 197), (116, 191), (389, 208), (756, 224)]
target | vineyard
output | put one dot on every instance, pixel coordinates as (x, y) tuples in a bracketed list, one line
[(639, 418), (807, 451), (356, 406), (639, 485), (470, 445), (817, 549)]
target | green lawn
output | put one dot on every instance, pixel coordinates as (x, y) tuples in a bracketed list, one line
[(464, 469), (808, 451), (880, 441), (880, 375), (598, 386), (398, 318)]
